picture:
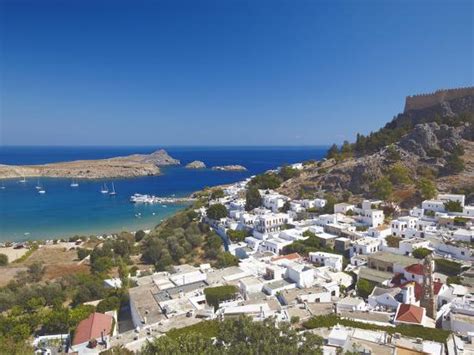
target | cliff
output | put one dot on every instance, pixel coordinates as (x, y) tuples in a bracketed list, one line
[(437, 137), (117, 167)]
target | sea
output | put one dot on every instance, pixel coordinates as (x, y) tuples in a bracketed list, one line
[(65, 211)]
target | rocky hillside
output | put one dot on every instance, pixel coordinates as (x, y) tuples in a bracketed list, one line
[(433, 145), (127, 166)]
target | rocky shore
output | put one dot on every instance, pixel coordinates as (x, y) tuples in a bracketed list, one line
[(230, 168), (118, 167), (197, 164)]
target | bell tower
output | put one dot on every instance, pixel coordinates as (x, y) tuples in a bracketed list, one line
[(428, 297)]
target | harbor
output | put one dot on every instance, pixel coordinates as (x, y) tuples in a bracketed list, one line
[(151, 199)]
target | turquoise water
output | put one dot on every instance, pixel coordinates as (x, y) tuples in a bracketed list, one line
[(65, 211)]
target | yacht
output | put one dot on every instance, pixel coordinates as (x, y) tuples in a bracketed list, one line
[(104, 189), (42, 191), (23, 180), (74, 184), (113, 193), (2, 187), (38, 185)]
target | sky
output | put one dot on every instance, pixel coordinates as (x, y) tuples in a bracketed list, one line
[(222, 72)]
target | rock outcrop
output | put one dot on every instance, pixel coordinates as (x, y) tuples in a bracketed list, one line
[(427, 147), (118, 167), (230, 168), (196, 164)]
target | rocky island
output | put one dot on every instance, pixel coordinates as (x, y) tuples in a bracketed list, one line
[(196, 164), (229, 168), (118, 167)]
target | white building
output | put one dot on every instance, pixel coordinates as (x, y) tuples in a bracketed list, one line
[(333, 261), (343, 207), (365, 246)]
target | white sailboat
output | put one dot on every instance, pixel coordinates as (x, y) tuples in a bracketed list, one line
[(74, 184), (42, 191), (38, 185), (2, 187), (112, 193), (104, 189), (23, 180)]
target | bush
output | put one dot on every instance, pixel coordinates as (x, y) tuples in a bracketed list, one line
[(382, 188), (392, 241), (421, 253), (215, 295), (413, 331), (287, 172), (399, 174), (427, 188), (226, 259), (453, 206), (217, 193), (108, 304), (139, 235), (83, 253), (266, 181), (3, 260), (365, 287), (216, 211), (237, 235), (454, 165), (454, 280), (447, 267)]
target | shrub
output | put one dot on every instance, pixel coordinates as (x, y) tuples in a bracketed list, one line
[(108, 304), (237, 235), (139, 235), (365, 287), (421, 253), (427, 188), (217, 193), (413, 331), (448, 267), (382, 188), (287, 172), (266, 181), (83, 253), (399, 174), (392, 241), (3, 260), (453, 206), (215, 295), (226, 259)]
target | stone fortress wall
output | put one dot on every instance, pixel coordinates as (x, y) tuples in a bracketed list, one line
[(417, 102)]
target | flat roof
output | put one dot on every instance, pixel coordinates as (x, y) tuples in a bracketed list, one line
[(374, 275), (394, 258)]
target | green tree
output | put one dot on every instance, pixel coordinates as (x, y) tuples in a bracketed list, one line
[(139, 235), (226, 259), (427, 188), (364, 287), (333, 152), (399, 174), (252, 199), (217, 193), (382, 188), (108, 304), (287, 172), (82, 253), (453, 206), (3, 260), (218, 294), (216, 211)]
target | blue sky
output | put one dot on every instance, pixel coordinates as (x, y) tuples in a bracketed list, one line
[(222, 72)]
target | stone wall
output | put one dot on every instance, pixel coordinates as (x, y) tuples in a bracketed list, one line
[(417, 102)]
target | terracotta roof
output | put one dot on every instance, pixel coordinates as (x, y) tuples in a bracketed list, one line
[(416, 269), (418, 288), (437, 287), (292, 256), (409, 313), (91, 328)]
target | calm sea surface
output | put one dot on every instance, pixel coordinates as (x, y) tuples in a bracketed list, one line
[(65, 211)]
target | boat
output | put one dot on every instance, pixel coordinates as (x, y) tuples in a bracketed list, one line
[(113, 193), (23, 180), (2, 187), (74, 184), (42, 191), (104, 189), (38, 185)]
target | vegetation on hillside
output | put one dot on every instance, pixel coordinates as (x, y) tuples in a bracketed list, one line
[(236, 336)]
